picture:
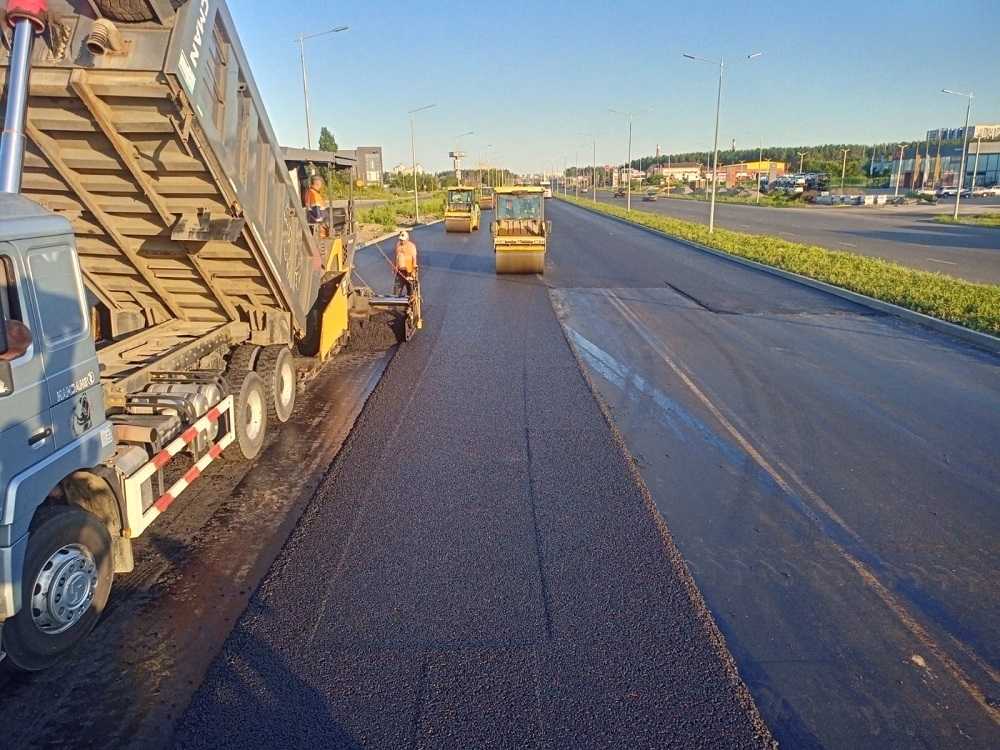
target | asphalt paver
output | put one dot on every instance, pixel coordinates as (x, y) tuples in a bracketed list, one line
[(482, 566)]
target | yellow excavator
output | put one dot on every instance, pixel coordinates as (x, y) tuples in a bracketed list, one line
[(461, 210), (520, 231)]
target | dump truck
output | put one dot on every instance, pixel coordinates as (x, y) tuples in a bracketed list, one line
[(520, 231), (157, 275), (461, 209), (486, 198)]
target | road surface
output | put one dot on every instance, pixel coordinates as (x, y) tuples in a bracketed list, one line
[(906, 234), (830, 475), (481, 567)]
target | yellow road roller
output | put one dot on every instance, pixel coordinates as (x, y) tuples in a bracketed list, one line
[(520, 231), (486, 197), (461, 210)]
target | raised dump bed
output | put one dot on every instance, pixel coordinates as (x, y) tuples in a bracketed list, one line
[(152, 139)]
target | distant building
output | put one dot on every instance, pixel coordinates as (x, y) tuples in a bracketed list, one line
[(750, 171), (987, 132), (407, 169), (682, 171), (926, 166)]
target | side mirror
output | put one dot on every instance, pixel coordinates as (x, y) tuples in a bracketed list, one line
[(16, 337)]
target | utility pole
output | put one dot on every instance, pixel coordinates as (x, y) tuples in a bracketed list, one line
[(802, 161), (628, 166), (760, 163), (721, 62), (965, 146), (305, 85), (843, 170), (899, 172), (975, 165), (413, 166)]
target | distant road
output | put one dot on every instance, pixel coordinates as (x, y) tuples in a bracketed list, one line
[(907, 235)]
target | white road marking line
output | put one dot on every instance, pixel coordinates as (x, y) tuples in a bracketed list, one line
[(848, 244), (946, 262), (884, 594)]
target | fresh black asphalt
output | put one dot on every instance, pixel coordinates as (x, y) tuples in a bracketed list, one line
[(831, 475), (481, 567)]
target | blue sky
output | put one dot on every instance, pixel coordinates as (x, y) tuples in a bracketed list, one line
[(530, 77)]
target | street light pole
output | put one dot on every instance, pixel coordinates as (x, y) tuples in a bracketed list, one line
[(899, 172), (975, 165), (843, 170), (802, 161), (721, 62), (413, 166), (965, 146), (760, 162), (305, 85)]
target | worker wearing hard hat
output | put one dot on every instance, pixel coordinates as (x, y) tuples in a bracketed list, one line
[(407, 280), (406, 265)]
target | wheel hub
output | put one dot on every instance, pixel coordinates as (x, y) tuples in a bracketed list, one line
[(64, 589)]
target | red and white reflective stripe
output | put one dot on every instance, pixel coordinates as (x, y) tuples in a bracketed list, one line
[(178, 444), (163, 501)]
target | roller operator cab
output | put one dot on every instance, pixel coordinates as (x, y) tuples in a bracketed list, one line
[(461, 210), (486, 198), (520, 231)]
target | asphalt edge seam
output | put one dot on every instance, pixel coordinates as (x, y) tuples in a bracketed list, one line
[(976, 338), (674, 557)]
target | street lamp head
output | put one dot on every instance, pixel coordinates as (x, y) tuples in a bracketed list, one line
[(956, 93), (754, 55), (420, 109)]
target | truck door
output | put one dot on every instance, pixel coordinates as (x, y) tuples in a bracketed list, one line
[(72, 375), (25, 425)]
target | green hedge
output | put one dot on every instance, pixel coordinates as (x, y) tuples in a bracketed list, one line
[(975, 306)]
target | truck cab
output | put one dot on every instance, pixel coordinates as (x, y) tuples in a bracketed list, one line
[(52, 425)]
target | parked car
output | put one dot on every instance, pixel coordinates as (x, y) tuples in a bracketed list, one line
[(650, 195), (951, 191), (992, 191)]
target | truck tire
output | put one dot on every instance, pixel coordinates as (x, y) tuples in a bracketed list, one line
[(250, 418), (276, 366), (126, 10), (66, 582), (242, 361)]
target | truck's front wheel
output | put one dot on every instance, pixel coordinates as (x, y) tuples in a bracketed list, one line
[(65, 585)]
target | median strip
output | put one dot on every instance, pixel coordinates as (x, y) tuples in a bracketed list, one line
[(973, 306)]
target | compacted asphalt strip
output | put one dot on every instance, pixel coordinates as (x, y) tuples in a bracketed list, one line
[(830, 475), (482, 566), (906, 235)]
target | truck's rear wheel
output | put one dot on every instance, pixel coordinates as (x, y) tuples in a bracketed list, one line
[(277, 367), (66, 582), (250, 414)]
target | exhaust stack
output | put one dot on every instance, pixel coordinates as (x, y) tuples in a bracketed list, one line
[(26, 18)]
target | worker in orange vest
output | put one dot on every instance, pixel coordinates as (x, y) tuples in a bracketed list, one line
[(406, 278)]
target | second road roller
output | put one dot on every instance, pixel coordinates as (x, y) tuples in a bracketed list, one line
[(520, 231), (461, 210)]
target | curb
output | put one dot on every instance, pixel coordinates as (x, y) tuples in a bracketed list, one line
[(976, 338)]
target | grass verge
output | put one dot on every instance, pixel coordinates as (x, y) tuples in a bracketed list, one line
[(400, 212), (979, 220), (975, 306)]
